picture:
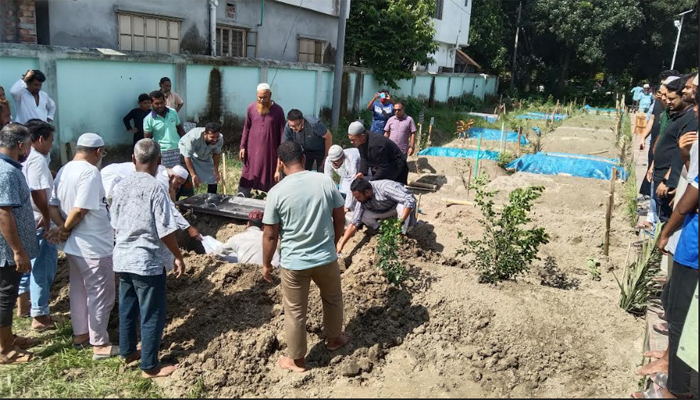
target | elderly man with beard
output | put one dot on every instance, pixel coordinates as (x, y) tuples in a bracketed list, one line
[(262, 134)]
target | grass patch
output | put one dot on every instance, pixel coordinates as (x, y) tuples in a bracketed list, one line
[(232, 176), (59, 370)]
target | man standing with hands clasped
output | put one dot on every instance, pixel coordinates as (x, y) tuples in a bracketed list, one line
[(305, 210)]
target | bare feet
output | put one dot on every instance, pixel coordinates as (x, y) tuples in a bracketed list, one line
[(293, 365), (23, 305), (161, 371), (659, 365), (654, 354), (340, 341)]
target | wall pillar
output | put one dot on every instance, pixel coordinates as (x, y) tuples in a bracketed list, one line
[(319, 92), (181, 85)]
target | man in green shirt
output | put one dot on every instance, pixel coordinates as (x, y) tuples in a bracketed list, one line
[(163, 125)]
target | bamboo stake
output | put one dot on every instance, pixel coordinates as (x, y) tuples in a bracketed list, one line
[(478, 154), (608, 211), (223, 178), (469, 180), (459, 202), (520, 134)]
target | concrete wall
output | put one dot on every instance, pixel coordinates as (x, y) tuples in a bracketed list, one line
[(17, 21), (93, 91)]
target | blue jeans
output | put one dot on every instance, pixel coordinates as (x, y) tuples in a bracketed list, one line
[(39, 281), (144, 295)]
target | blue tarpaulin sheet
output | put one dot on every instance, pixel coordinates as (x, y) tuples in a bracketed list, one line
[(495, 134), (488, 117), (582, 165), (541, 115), (589, 108), (458, 153)]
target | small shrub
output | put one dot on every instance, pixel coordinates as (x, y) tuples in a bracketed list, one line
[(636, 284), (388, 251), (508, 248), (552, 276), (593, 268), (505, 158)]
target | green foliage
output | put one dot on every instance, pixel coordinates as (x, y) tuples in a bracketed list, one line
[(505, 158), (594, 268), (390, 37), (388, 251), (507, 248), (636, 284)]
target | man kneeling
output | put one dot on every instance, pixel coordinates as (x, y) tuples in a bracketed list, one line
[(145, 243), (378, 200)]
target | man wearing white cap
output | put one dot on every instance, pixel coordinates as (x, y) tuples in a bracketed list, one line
[(346, 164), (79, 208), (169, 178), (645, 98), (262, 134), (377, 151)]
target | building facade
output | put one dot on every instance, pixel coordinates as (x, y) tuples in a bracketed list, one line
[(284, 30), (452, 18)]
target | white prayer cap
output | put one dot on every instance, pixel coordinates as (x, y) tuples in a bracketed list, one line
[(90, 140), (180, 171), (356, 128), (695, 80), (335, 153), (670, 79), (646, 86), (263, 86)]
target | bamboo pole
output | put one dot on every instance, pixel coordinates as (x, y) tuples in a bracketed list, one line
[(459, 202), (608, 211), (223, 178), (478, 154), (520, 134), (422, 185)]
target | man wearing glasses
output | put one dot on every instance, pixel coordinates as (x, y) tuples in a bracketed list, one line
[(401, 129), (311, 135)]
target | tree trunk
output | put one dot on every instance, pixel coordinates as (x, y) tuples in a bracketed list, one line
[(564, 71)]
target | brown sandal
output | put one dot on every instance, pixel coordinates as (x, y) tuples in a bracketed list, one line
[(25, 342), (16, 357)]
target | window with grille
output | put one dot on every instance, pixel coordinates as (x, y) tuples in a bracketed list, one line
[(438, 8), (230, 42), (311, 51), (143, 33)]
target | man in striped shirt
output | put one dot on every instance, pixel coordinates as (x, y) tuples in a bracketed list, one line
[(378, 200)]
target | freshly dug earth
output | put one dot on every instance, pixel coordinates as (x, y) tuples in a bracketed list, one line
[(444, 335)]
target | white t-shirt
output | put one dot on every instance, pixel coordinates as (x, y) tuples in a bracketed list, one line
[(79, 184), (36, 171), (113, 173), (693, 169)]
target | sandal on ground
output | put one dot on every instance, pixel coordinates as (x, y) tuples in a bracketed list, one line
[(25, 342), (113, 351), (82, 345), (135, 356), (661, 328), (655, 389), (16, 357)]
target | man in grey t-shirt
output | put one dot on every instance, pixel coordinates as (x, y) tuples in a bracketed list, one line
[(311, 134), (144, 248)]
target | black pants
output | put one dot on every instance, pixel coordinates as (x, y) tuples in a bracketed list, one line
[(9, 288), (212, 188), (663, 206), (681, 291), (312, 157)]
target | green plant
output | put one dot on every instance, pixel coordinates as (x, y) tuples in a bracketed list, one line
[(630, 195), (508, 248), (505, 158), (594, 268), (636, 284), (388, 251)]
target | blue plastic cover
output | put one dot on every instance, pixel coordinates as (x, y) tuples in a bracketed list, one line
[(541, 115), (589, 108), (458, 153), (495, 134), (582, 165)]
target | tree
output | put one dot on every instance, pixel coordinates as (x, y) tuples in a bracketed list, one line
[(488, 35), (390, 37)]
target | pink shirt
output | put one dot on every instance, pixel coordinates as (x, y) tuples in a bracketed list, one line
[(400, 131)]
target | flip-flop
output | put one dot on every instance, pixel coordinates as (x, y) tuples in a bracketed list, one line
[(16, 357), (44, 328), (661, 328), (82, 345), (113, 351), (25, 342), (654, 391)]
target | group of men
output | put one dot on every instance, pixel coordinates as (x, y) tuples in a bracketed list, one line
[(672, 185), (122, 218)]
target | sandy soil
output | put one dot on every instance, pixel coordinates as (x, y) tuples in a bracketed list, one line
[(446, 335)]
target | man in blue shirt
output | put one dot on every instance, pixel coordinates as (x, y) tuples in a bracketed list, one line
[(306, 211), (382, 110), (645, 99), (18, 244), (636, 95), (684, 278)]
